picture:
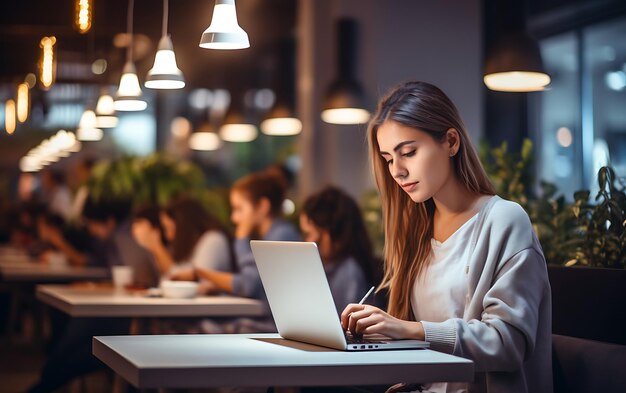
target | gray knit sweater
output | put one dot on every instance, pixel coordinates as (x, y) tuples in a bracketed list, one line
[(506, 325)]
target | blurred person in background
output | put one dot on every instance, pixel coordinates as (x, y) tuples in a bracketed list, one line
[(23, 229), (56, 194), (55, 237), (196, 239), (333, 220), (256, 202), (80, 178), (70, 355), (110, 223)]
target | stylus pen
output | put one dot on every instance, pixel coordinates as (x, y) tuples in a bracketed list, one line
[(367, 295)]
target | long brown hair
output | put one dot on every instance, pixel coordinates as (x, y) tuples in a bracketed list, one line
[(192, 221), (408, 225), (333, 210)]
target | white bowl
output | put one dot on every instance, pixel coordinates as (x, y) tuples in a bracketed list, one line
[(179, 289)]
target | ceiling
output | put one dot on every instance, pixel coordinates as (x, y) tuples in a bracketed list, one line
[(267, 22)]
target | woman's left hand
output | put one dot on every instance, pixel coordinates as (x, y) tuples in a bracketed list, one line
[(365, 319)]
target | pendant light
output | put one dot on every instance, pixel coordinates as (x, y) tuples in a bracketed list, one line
[(515, 65), (236, 128), (281, 119), (205, 139), (128, 97), (224, 31), (345, 100), (87, 130), (165, 73), (105, 111)]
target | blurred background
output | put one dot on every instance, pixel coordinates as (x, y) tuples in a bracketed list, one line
[(576, 124), (540, 84)]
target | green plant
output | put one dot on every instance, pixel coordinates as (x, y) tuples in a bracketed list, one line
[(152, 179), (509, 172), (602, 226), (570, 233), (373, 218), (554, 223)]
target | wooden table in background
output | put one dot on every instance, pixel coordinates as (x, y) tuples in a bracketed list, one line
[(97, 301)]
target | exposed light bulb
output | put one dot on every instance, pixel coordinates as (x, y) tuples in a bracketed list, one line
[(47, 63), (9, 116), (22, 102), (83, 15)]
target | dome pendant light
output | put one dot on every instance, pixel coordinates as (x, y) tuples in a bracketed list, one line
[(236, 128), (345, 100), (515, 65), (281, 119), (165, 73), (224, 31), (205, 139), (128, 97)]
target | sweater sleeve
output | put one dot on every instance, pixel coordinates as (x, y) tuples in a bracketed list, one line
[(506, 333), (247, 281)]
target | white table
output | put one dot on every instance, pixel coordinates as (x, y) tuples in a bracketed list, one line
[(245, 360), (80, 301)]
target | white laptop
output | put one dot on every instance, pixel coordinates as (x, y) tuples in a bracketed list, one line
[(301, 302)]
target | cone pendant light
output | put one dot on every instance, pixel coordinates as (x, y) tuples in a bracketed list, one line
[(224, 31), (128, 97), (165, 73)]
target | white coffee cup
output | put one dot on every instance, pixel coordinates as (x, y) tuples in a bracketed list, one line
[(122, 276)]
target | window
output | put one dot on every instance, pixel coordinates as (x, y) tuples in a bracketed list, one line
[(580, 122)]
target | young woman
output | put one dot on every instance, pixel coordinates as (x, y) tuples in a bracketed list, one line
[(196, 239), (332, 219), (256, 202), (464, 269)]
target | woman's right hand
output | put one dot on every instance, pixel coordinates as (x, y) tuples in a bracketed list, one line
[(244, 229), (362, 319), (146, 235)]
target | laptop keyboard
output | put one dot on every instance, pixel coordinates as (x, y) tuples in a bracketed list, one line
[(361, 340)]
